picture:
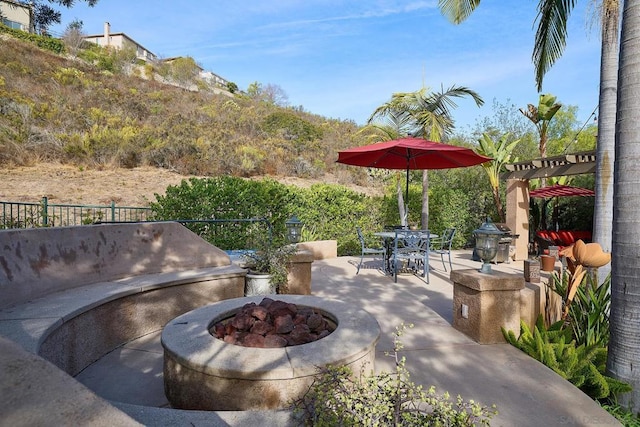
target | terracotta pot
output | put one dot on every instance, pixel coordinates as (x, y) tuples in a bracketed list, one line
[(547, 262)]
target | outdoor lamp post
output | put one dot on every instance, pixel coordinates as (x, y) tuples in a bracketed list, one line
[(294, 229), (487, 238)]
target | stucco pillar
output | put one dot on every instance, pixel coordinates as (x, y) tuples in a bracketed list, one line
[(518, 215), (485, 303), (299, 278)]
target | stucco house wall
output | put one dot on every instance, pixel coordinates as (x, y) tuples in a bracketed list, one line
[(16, 15)]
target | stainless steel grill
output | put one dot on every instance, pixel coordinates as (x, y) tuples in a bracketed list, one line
[(505, 241)]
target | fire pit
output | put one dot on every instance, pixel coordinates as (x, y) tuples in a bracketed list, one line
[(202, 372), (273, 324)]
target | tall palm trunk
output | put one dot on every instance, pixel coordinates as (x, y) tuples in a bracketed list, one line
[(624, 345), (605, 149)]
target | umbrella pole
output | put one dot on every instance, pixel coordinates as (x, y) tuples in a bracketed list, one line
[(406, 201), (406, 191)]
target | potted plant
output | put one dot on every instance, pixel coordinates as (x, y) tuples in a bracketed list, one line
[(268, 269)]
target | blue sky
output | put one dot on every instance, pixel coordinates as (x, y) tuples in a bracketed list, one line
[(343, 58)]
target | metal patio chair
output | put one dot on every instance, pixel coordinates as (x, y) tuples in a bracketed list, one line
[(368, 250), (442, 246), (411, 251)]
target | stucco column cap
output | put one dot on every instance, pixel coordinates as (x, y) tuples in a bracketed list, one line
[(496, 281)]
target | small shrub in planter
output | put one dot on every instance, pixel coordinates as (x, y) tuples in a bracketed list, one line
[(273, 261)]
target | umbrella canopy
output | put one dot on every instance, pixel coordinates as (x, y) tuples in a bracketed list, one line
[(411, 154), (561, 191)]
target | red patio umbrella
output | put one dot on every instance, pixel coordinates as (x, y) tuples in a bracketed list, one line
[(561, 191), (411, 154), (557, 191)]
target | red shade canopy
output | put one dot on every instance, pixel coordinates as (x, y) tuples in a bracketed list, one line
[(411, 153), (561, 191)]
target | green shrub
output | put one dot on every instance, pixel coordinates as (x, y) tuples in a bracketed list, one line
[(336, 398), (335, 211), (290, 127), (44, 42), (584, 366), (332, 211), (589, 311), (228, 197)]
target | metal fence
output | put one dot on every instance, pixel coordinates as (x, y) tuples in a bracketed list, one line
[(45, 214), (228, 234)]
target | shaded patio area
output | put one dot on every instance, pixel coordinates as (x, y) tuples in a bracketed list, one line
[(526, 392)]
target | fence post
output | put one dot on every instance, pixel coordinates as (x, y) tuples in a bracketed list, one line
[(113, 211), (45, 211)]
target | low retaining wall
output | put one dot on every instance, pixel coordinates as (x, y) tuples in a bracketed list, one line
[(72, 294), (40, 261)]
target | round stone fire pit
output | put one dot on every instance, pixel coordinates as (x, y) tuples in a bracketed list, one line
[(202, 372)]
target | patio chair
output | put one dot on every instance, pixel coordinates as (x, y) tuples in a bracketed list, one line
[(442, 246), (368, 250), (411, 248)]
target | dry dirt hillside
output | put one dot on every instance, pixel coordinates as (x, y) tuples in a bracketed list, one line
[(74, 185)]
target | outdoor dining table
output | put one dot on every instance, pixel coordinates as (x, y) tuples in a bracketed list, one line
[(388, 238)]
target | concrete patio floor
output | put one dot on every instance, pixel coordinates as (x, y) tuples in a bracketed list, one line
[(525, 392)]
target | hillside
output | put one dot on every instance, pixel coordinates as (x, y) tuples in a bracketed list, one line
[(61, 110), (126, 187)]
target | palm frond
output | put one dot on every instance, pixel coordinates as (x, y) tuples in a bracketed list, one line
[(551, 35), (457, 11)]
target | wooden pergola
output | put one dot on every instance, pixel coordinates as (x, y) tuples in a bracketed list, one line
[(518, 176)]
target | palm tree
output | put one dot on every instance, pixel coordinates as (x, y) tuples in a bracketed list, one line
[(615, 146), (550, 40), (427, 115), (500, 152), (605, 148), (541, 116), (624, 343)]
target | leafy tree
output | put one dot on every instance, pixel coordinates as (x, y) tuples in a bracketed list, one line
[(550, 41), (232, 87), (271, 94), (500, 152), (73, 36), (44, 15)]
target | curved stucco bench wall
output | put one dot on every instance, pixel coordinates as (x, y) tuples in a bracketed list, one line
[(72, 294)]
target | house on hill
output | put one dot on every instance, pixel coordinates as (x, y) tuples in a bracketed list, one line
[(16, 15), (120, 41)]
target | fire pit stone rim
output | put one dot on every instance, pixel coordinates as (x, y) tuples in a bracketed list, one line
[(187, 340)]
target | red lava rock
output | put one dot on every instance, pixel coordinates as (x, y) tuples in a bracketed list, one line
[(272, 324), (261, 327), (253, 340), (283, 324), (300, 334), (259, 312), (243, 321), (299, 319), (315, 321), (274, 341)]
